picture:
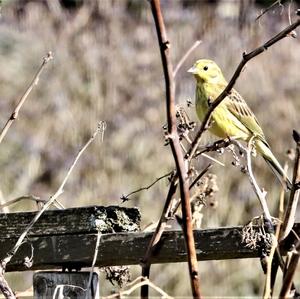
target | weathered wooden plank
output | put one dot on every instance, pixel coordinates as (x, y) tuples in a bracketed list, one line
[(71, 221), (65, 285), (77, 250)]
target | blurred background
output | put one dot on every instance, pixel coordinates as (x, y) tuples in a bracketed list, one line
[(107, 67)]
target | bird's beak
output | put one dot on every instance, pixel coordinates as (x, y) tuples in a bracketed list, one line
[(192, 70)]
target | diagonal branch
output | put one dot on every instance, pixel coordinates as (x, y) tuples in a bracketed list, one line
[(246, 57), (22, 100), (164, 46), (290, 211), (185, 56), (126, 197), (101, 127)]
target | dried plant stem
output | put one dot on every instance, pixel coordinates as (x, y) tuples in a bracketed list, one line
[(201, 174), (269, 8), (22, 100), (289, 216), (275, 255), (185, 56), (99, 234), (261, 195), (267, 287), (125, 197), (4, 287), (246, 57), (146, 261), (137, 283), (52, 199), (289, 275), (28, 197), (164, 46)]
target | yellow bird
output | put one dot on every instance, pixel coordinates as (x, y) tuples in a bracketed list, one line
[(232, 117)]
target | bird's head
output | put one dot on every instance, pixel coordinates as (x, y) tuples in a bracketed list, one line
[(207, 71)]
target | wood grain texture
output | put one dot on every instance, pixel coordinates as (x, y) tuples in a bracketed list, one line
[(67, 238)]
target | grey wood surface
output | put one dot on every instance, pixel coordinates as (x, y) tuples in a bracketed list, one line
[(67, 238)]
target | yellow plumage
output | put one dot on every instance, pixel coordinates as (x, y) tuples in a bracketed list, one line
[(232, 117)]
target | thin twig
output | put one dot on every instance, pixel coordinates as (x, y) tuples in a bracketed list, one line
[(267, 287), (99, 234), (28, 197), (165, 216), (12, 252), (202, 173), (268, 8), (290, 273), (146, 261), (33, 83), (275, 255), (246, 57), (181, 168), (185, 56), (289, 216), (125, 197), (136, 285), (4, 286), (261, 195)]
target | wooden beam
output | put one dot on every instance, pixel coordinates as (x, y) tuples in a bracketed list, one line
[(67, 238)]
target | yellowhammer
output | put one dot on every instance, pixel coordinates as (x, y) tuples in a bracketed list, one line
[(232, 117)]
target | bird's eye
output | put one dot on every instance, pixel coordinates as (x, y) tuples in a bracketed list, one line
[(205, 68)]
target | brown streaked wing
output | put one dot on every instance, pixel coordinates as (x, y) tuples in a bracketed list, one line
[(239, 108)]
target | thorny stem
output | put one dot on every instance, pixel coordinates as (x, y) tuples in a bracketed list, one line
[(164, 46)]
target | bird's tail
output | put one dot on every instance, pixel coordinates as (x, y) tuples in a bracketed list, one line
[(264, 149)]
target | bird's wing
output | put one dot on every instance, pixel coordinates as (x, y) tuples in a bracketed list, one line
[(239, 108)]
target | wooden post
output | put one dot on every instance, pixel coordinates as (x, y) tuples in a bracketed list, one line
[(65, 285)]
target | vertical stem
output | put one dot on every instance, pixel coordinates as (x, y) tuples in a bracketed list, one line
[(164, 45)]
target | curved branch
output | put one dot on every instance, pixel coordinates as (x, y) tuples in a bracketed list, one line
[(246, 57)]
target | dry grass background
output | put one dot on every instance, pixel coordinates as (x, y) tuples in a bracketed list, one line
[(107, 67)]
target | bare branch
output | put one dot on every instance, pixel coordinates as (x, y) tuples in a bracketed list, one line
[(290, 273), (125, 197), (289, 216), (99, 234), (246, 57), (164, 46), (28, 197), (146, 262), (100, 129), (185, 56), (137, 283), (22, 100), (261, 195), (269, 8), (4, 287)]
